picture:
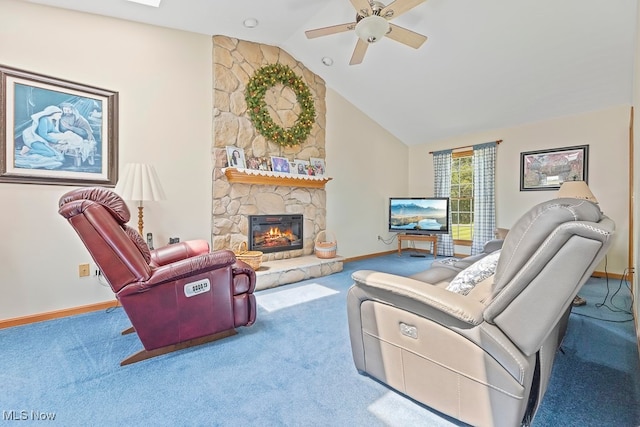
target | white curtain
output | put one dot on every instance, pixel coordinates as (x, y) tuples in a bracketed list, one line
[(484, 194), (442, 179)]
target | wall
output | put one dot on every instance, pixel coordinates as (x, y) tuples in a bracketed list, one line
[(170, 125), (368, 166), (607, 134), (164, 80)]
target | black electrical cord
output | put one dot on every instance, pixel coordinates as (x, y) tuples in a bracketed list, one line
[(389, 241), (114, 308), (612, 306)]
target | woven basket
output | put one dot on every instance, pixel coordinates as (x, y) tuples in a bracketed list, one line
[(253, 258), (326, 245)]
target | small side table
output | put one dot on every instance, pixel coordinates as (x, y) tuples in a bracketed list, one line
[(421, 238)]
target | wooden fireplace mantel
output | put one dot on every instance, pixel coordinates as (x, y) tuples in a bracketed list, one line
[(250, 176)]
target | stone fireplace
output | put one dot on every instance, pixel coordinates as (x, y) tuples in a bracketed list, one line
[(235, 201), (275, 233), (240, 195)]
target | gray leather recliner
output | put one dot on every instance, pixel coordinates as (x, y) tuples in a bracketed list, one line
[(484, 357)]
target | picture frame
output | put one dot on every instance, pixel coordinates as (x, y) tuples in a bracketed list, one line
[(56, 132), (548, 169), (235, 157), (318, 165), (302, 167), (280, 164), (259, 163)]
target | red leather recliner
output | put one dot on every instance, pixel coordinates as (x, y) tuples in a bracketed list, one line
[(176, 296)]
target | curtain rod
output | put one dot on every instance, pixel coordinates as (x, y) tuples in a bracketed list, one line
[(468, 146)]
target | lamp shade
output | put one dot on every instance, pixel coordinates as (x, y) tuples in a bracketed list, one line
[(372, 28), (576, 190), (139, 182)]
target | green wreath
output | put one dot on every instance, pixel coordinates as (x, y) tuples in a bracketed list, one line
[(265, 78)]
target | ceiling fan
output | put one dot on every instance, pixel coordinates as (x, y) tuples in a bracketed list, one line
[(372, 24)]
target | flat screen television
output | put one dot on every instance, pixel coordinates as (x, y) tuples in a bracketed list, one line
[(419, 215)]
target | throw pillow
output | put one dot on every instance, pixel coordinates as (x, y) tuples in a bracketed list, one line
[(474, 274)]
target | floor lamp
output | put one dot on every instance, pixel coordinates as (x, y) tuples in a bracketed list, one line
[(140, 183), (577, 190)]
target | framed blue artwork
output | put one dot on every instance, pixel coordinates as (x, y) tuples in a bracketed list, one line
[(57, 132)]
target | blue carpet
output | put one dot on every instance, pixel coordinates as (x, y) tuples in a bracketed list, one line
[(292, 368), (596, 379)]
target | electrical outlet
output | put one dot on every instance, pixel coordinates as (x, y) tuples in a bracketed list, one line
[(379, 237), (84, 270)]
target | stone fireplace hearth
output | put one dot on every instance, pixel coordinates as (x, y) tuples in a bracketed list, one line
[(292, 270)]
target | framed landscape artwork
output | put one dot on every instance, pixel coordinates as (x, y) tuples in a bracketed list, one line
[(56, 132), (548, 169)]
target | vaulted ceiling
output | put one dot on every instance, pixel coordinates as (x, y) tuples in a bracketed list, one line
[(486, 64)]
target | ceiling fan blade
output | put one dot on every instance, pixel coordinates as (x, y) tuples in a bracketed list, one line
[(405, 36), (362, 7), (358, 52), (398, 7), (325, 31)]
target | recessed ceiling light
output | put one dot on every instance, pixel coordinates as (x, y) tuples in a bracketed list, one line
[(250, 22), (327, 61), (154, 3)]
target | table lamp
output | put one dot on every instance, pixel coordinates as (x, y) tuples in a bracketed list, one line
[(140, 183), (576, 190)]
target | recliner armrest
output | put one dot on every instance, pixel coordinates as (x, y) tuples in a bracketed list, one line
[(492, 245), (418, 297), (183, 268), (178, 251)]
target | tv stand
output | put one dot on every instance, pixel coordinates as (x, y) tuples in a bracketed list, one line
[(421, 238)]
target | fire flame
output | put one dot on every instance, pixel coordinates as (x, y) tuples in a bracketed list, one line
[(276, 232)]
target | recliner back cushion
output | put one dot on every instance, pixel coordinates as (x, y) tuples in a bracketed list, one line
[(110, 200), (98, 220), (531, 230)]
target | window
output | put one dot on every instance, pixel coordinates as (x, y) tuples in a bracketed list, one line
[(462, 197)]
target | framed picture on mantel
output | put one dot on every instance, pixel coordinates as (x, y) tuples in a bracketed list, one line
[(280, 164), (235, 157), (318, 166), (302, 167), (548, 169)]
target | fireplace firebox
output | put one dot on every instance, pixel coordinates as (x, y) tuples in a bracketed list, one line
[(275, 233)]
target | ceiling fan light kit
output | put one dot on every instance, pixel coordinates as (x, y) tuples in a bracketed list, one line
[(372, 28), (372, 24)]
